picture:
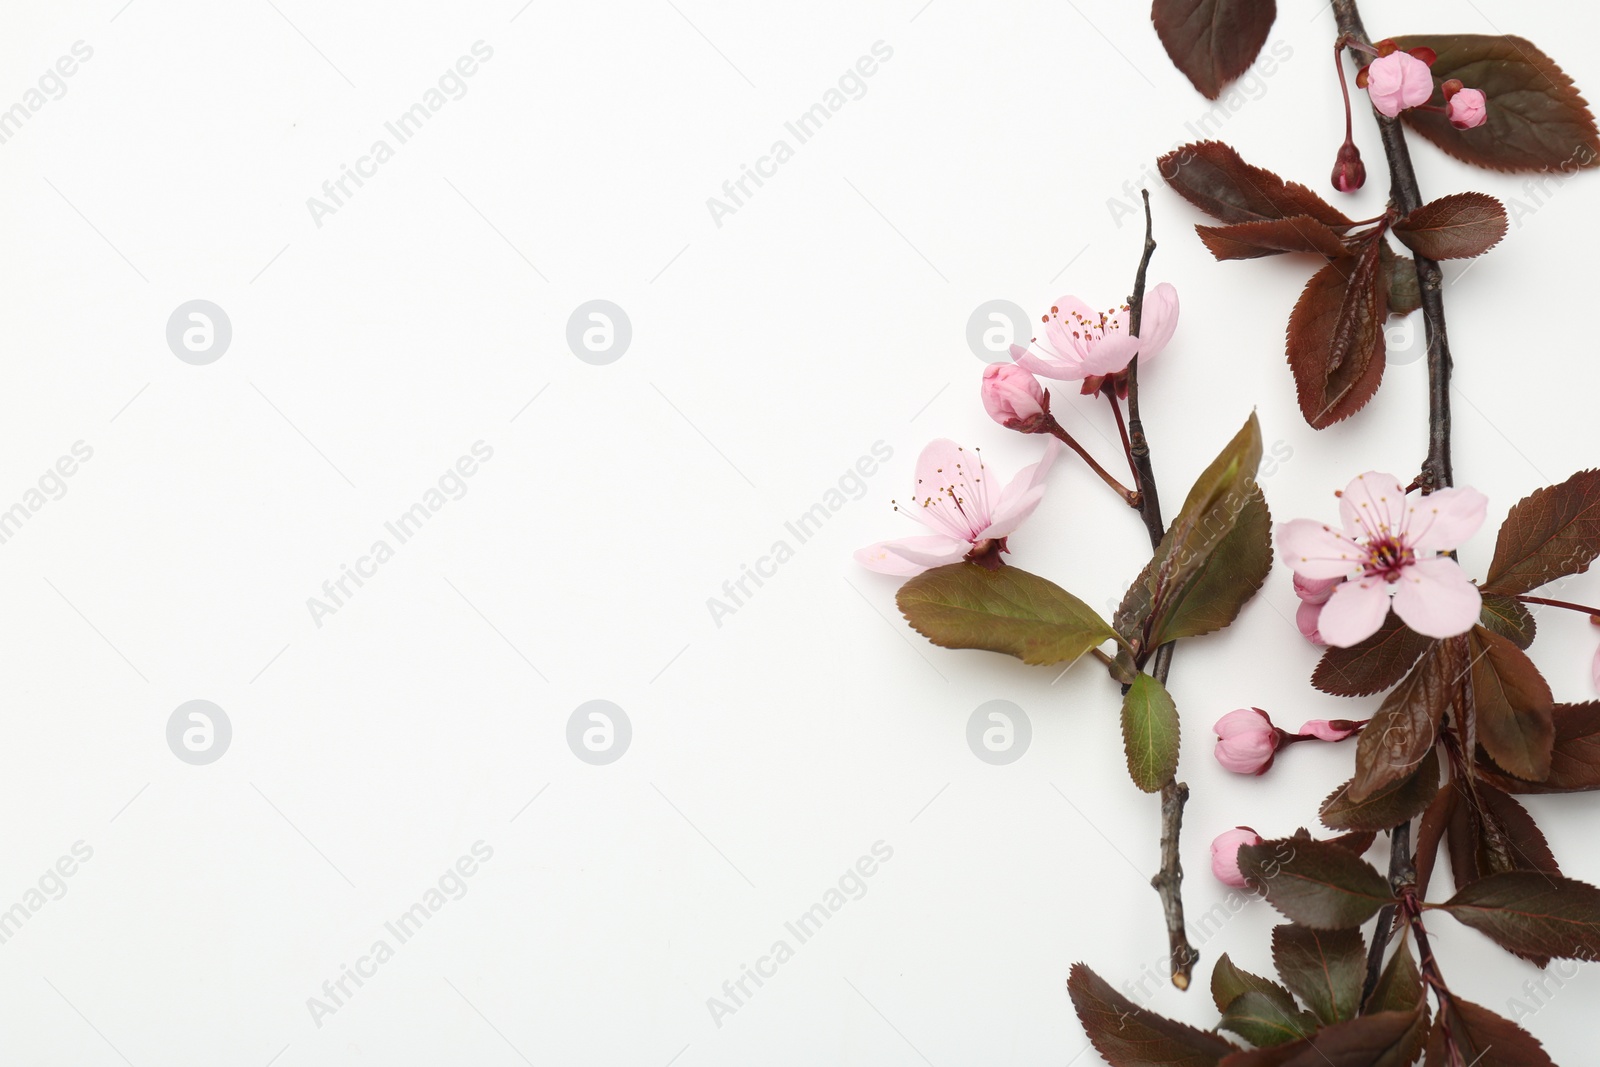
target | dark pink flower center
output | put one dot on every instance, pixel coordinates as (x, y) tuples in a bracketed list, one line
[(1387, 557)]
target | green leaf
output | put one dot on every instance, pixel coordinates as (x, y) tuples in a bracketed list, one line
[(1509, 618), (963, 605), (1458, 226), (1335, 339), (1263, 1022), (1483, 1038), (1213, 557), (1315, 883), (1403, 729), (1213, 41), (1271, 237), (1515, 709), (1150, 733), (1374, 665), (1212, 177), (1574, 757), (1536, 119), (1228, 982), (1324, 968), (1533, 913), (1129, 1036), (1394, 804), (1399, 987), (1549, 534), (1382, 1039)]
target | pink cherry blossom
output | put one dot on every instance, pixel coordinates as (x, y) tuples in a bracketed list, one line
[(1397, 81), (1468, 108), (1246, 741), (1014, 398), (1391, 546), (1306, 617), (1323, 730), (956, 499), (1087, 343), (1225, 855)]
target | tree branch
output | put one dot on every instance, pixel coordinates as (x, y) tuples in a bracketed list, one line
[(1407, 197), (1168, 881)]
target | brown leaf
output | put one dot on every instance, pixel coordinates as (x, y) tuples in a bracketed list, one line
[(1574, 758), (1381, 1039), (1509, 618), (1129, 1036), (1514, 706), (1373, 665), (1484, 1038), (1536, 119), (1213, 41), (1212, 177), (1458, 226), (1269, 237), (1394, 804), (1335, 338), (1549, 534), (1406, 724)]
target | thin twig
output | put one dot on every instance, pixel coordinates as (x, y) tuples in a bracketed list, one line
[(1169, 879), (1051, 426)]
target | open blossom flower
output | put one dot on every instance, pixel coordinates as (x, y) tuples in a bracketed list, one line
[(1397, 81), (969, 516), (1391, 545), (1246, 741), (1467, 108), (1225, 855), (1014, 398), (1088, 343)]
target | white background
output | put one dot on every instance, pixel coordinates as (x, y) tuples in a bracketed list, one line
[(770, 353)]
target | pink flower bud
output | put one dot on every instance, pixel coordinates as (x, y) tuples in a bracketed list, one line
[(1467, 108), (1225, 855), (1397, 81), (1307, 617), (1315, 590), (1246, 741), (1337, 730), (1014, 398), (1349, 173)]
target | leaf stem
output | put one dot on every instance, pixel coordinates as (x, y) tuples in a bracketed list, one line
[(1168, 881), (1109, 391), (1569, 605)]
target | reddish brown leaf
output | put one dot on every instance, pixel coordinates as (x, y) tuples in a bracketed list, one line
[(1269, 237), (1129, 1036), (1574, 758), (1533, 914), (1324, 968), (1382, 1039), (1372, 666), (1213, 41), (1458, 226), (1509, 618), (1514, 706), (1484, 1039), (1394, 804), (1536, 119), (1315, 883), (1335, 338), (1406, 724), (1212, 177), (1549, 534), (1430, 832)]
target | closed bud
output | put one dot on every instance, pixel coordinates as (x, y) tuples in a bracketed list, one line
[(1225, 855), (1349, 173), (1014, 398)]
